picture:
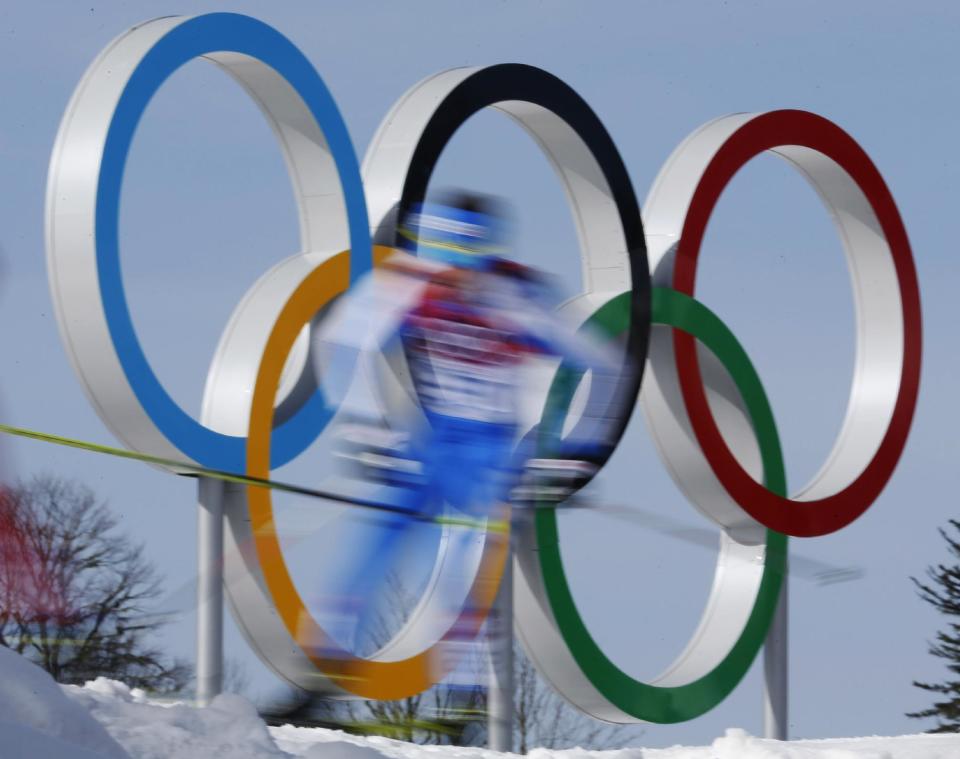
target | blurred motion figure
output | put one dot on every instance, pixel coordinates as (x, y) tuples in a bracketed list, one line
[(465, 320)]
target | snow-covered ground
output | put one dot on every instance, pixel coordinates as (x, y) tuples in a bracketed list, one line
[(107, 720)]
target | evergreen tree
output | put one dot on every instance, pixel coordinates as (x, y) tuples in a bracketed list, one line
[(942, 591)]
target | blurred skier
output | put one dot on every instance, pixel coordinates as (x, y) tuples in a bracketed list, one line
[(466, 320)]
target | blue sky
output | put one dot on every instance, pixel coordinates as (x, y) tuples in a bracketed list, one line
[(207, 210)]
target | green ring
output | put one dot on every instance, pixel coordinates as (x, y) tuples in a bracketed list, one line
[(638, 699)]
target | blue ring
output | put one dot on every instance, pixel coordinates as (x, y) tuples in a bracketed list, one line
[(195, 37)]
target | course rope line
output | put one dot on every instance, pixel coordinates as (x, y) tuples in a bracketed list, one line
[(193, 470)]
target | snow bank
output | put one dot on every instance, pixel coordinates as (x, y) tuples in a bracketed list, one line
[(229, 727), (736, 744), (107, 720), (37, 718)]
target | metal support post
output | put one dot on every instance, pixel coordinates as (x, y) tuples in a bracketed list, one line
[(500, 641), (209, 590), (775, 670)]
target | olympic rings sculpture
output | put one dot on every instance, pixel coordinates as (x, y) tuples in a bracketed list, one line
[(706, 408)]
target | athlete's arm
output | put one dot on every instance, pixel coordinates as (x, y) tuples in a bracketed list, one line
[(359, 326)]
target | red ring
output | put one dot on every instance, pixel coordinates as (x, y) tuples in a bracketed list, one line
[(798, 518)]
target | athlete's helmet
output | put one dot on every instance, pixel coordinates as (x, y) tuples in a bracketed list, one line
[(460, 229)]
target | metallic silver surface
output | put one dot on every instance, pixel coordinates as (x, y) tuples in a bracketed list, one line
[(500, 691), (209, 667), (776, 671)]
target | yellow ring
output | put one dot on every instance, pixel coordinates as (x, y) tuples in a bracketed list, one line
[(366, 678)]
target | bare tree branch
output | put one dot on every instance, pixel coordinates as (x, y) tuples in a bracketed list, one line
[(73, 590)]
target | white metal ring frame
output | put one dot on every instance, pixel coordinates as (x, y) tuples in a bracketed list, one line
[(83, 200)]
